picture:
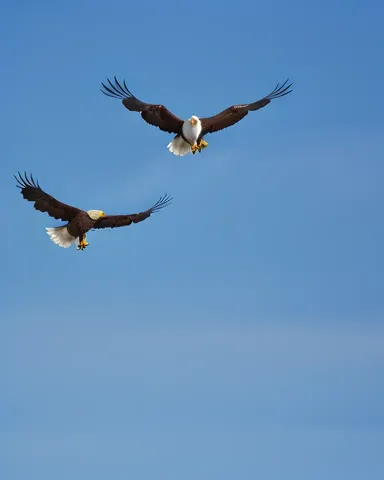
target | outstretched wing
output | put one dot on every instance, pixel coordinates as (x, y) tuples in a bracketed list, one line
[(156, 115), (113, 221), (234, 114), (44, 202)]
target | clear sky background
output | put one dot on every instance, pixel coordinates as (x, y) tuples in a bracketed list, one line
[(237, 334)]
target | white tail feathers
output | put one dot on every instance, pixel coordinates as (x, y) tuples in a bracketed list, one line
[(179, 147), (60, 236)]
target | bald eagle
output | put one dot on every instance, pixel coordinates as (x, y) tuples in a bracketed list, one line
[(190, 133), (79, 221)]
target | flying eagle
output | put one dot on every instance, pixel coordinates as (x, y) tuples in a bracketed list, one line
[(79, 221), (190, 133)]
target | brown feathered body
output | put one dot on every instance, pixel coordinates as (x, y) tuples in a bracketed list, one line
[(80, 225)]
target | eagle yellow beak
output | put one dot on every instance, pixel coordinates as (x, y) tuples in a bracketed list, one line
[(193, 121)]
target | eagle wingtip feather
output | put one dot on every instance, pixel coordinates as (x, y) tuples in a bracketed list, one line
[(163, 202), (280, 90), (23, 181), (116, 90)]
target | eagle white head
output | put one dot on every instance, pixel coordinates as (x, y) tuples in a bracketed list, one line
[(194, 120), (96, 214)]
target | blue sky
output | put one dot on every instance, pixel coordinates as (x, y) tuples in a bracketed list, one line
[(238, 333)]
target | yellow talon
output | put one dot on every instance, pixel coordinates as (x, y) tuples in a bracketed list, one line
[(83, 244), (203, 144), (194, 148), (199, 147)]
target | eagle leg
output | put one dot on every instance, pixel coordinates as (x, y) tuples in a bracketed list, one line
[(83, 244), (194, 148), (203, 144)]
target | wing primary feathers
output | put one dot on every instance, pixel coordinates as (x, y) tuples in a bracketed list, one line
[(114, 87), (35, 183), (32, 180), (118, 87), (19, 183), (280, 90), (19, 180), (277, 87), (161, 203), (106, 93), (116, 90), (125, 91), (23, 182), (125, 86), (112, 93), (31, 183)]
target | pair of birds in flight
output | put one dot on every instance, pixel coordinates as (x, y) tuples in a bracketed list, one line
[(189, 139)]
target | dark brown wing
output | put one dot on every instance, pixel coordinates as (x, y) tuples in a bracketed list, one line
[(156, 115), (234, 114), (32, 192), (113, 221)]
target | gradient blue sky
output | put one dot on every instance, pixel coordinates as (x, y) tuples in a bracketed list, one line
[(239, 333)]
